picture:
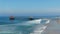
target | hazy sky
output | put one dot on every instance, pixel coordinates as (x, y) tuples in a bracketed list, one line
[(29, 7)]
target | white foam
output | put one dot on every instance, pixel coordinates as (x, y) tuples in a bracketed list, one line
[(39, 30), (48, 21), (38, 21), (33, 22)]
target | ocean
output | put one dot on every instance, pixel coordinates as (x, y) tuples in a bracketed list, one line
[(21, 25)]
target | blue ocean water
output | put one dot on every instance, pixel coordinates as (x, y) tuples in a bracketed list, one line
[(21, 25)]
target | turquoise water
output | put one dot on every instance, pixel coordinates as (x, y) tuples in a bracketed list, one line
[(19, 25)]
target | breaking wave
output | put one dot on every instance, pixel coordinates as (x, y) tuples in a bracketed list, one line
[(33, 26)]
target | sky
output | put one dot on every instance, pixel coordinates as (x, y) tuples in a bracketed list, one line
[(29, 7)]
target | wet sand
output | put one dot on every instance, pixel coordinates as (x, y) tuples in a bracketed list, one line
[(52, 28)]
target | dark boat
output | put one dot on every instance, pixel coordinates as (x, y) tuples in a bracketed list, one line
[(12, 18), (31, 18)]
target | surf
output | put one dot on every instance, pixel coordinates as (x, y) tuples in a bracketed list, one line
[(11, 28)]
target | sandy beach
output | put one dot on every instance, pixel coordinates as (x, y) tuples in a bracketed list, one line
[(52, 28)]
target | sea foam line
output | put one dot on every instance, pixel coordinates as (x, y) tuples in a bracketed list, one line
[(48, 21), (39, 30), (38, 21)]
